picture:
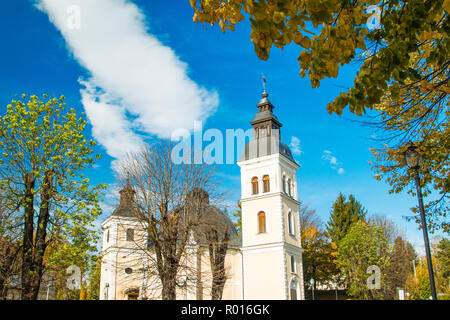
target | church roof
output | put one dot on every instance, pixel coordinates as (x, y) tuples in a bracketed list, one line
[(265, 147), (210, 217), (126, 208), (270, 143)]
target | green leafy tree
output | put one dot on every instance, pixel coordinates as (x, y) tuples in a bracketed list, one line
[(93, 288), (43, 154), (443, 265), (364, 245), (60, 256), (343, 215)]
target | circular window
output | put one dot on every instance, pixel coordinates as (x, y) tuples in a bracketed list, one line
[(128, 270)]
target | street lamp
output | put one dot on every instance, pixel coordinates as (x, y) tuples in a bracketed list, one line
[(312, 287), (413, 160), (335, 289)]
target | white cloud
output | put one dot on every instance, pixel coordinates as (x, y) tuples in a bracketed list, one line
[(295, 146), (137, 87), (333, 161)]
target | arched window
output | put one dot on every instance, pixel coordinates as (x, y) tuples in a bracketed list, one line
[(289, 183), (130, 234), (291, 224), (284, 183), (266, 183), (261, 222), (293, 265), (255, 185), (293, 290)]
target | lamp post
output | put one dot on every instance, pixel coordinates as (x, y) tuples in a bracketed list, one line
[(335, 289), (413, 160), (312, 287)]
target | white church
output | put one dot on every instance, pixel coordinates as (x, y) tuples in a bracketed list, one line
[(264, 262)]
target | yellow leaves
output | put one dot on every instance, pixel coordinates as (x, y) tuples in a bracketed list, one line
[(278, 17), (446, 6), (332, 68), (222, 25), (305, 42), (298, 36)]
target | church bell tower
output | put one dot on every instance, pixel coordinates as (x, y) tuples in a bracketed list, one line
[(271, 246)]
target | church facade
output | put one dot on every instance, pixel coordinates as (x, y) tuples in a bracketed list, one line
[(264, 262)]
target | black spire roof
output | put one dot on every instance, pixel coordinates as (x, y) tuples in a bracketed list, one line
[(126, 208)]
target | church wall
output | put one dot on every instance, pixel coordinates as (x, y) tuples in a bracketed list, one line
[(263, 269), (289, 205), (126, 281), (139, 235), (271, 206)]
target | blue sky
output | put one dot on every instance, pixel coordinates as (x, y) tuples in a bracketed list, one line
[(214, 76)]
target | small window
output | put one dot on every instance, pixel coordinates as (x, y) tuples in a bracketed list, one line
[(261, 222), (291, 224), (254, 185), (130, 234), (107, 236), (293, 290), (289, 185), (284, 183), (128, 270), (293, 265), (266, 183)]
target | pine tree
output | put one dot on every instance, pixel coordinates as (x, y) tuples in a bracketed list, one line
[(343, 214)]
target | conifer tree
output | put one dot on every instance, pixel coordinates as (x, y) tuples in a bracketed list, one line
[(343, 214)]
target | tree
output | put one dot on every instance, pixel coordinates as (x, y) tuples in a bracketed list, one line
[(390, 230), (167, 207), (93, 288), (343, 215), (43, 153), (215, 231), (62, 254), (10, 249), (238, 215), (319, 257), (332, 34), (419, 286), (364, 245), (417, 113), (319, 253), (399, 268), (308, 218), (443, 265)]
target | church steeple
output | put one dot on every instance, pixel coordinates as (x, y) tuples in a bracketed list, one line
[(126, 195), (264, 104), (265, 122)]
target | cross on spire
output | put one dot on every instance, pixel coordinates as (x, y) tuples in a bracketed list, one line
[(264, 82)]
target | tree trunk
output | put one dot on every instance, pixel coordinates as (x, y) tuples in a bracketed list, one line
[(169, 289), (217, 254), (41, 234), (27, 252)]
